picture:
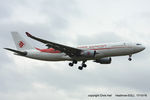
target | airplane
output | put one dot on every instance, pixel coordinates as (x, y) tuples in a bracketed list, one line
[(99, 53)]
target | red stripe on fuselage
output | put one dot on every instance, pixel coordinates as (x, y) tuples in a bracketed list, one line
[(106, 48), (50, 50)]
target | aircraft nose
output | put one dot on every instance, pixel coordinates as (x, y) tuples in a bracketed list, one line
[(142, 48)]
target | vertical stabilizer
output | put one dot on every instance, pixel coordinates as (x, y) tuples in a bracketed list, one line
[(20, 42)]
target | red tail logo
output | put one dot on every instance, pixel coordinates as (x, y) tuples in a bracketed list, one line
[(21, 44)]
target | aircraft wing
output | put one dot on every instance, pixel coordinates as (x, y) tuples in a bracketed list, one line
[(70, 51)]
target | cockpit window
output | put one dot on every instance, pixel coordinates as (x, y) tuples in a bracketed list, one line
[(138, 44)]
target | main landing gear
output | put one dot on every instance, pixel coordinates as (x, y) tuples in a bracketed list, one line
[(130, 58), (83, 65), (72, 63)]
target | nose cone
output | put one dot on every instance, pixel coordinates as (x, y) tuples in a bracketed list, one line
[(142, 48), (138, 48)]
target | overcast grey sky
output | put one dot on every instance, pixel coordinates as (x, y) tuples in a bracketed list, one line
[(74, 22)]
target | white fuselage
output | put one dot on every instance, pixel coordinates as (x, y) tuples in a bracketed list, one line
[(102, 50)]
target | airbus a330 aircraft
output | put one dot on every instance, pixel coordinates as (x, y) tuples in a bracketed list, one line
[(99, 53)]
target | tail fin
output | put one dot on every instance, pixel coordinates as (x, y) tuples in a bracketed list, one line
[(20, 42)]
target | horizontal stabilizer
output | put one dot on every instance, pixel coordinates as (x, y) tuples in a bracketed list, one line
[(17, 52)]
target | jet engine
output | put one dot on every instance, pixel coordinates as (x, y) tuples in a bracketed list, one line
[(106, 60), (88, 53)]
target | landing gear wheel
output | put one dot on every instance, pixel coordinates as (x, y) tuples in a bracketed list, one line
[(71, 64), (80, 67), (84, 65), (130, 59), (74, 61)]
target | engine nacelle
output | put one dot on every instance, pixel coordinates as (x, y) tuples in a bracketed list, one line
[(88, 53), (106, 60)]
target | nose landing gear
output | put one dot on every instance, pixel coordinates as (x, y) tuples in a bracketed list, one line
[(130, 58)]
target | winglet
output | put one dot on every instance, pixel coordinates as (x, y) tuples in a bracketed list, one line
[(28, 34)]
